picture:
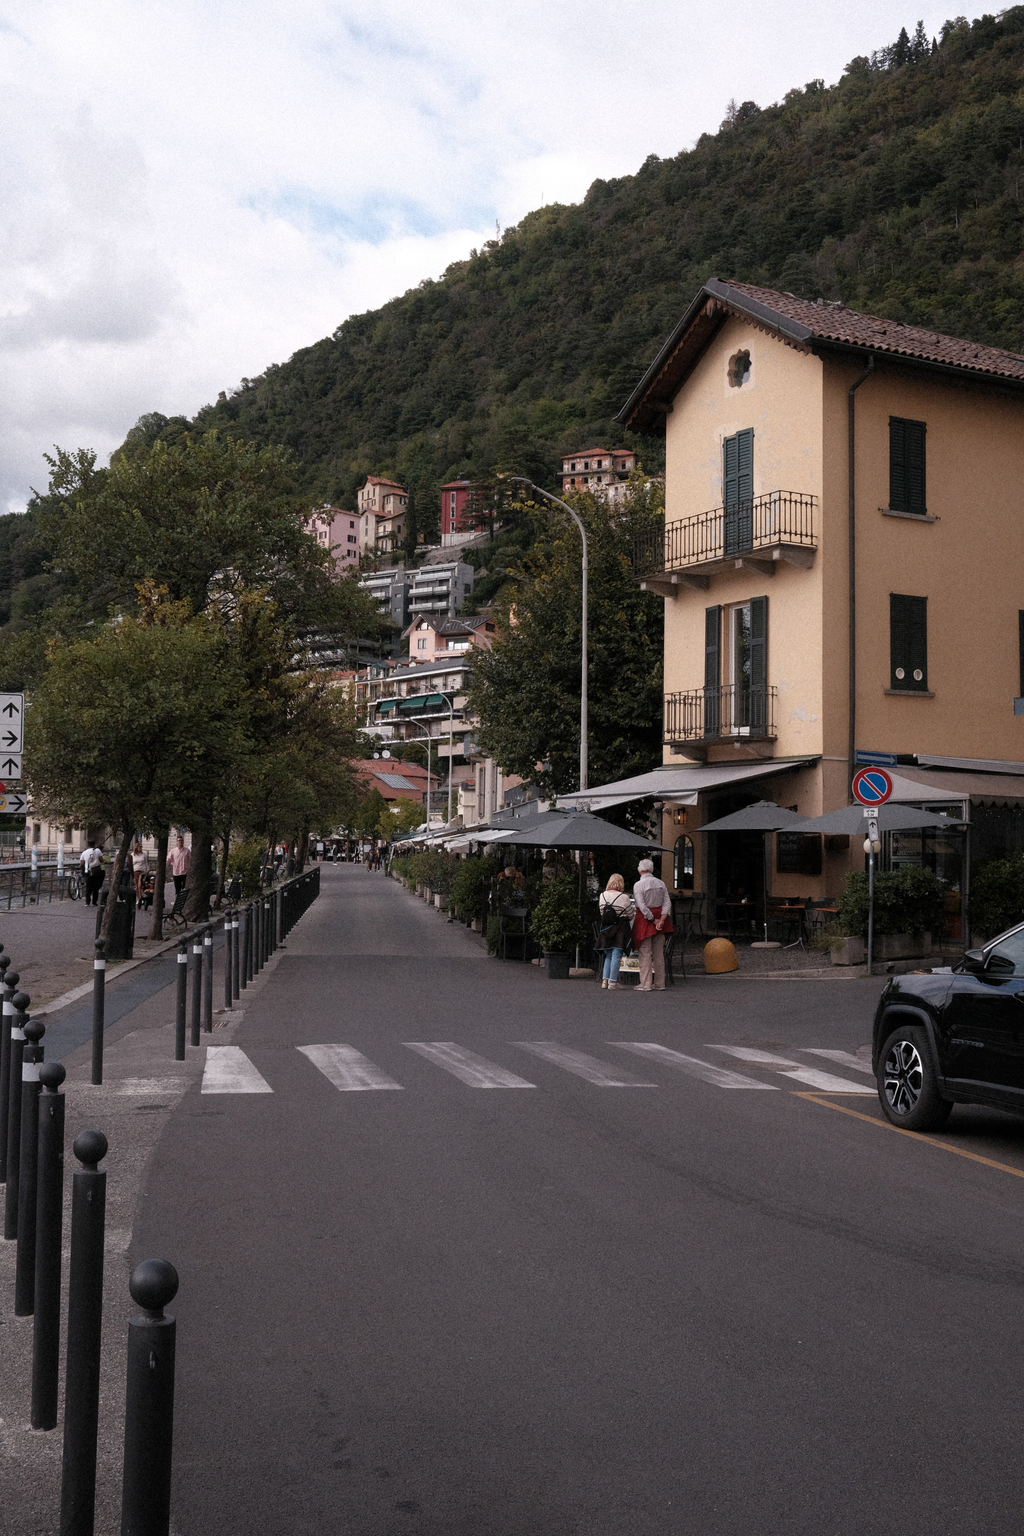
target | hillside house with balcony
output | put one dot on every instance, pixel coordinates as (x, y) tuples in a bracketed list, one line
[(605, 471), (432, 639), (337, 531), (842, 565), (383, 505)]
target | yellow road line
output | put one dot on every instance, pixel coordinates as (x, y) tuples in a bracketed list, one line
[(943, 1146)]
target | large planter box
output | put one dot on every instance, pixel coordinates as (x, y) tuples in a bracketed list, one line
[(848, 952), (440, 902), (478, 925), (901, 946)]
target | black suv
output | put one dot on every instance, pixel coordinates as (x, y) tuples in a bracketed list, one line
[(953, 1038)]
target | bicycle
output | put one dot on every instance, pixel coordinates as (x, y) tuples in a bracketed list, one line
[(75, 884)]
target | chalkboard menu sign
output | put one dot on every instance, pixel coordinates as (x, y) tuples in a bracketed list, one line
[(798, 853)]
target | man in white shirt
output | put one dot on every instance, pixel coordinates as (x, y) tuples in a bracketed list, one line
[(91, 860), (652, 902)]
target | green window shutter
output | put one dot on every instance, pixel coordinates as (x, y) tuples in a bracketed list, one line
[(907, 465), (758, 662), (712, 673), (738, 489), (908, 642)]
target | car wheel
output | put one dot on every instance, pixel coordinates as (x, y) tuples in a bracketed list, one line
[(907, 1087)]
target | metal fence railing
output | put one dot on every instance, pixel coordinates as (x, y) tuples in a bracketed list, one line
[(780, 517), (705, 714), (23, 886)]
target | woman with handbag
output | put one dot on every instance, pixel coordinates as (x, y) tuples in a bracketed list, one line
[(652, 922), (616, 913)]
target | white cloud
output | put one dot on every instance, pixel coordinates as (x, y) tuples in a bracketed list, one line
[(192, 191)]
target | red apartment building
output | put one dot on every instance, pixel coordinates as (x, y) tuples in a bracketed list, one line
[(463, 510)]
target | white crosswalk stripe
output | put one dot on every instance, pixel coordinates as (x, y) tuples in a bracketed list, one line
[(812, 1076), (229, 1070), (841, 1058), (469, 1068), (347, 1068), (582, 1065), (721, 1077)]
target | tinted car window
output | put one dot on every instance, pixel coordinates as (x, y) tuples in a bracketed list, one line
[(1007, 957)]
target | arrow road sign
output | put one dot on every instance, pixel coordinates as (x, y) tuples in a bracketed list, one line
[(12, 805), (871, 786), (10, 766), (12, 721), (875, 759)]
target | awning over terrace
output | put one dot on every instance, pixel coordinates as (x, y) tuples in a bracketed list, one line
[(677, 786)]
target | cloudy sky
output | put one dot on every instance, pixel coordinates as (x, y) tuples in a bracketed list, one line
[(191, 191)]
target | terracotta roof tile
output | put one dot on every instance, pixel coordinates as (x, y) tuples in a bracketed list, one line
[(829, 322)]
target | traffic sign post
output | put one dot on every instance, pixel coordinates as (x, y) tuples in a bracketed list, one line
[(12, 722), (872, 787)]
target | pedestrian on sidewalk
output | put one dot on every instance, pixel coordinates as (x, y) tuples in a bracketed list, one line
[(616, 914), (179, 862), (653, 920), (140, 865), (91, 860)]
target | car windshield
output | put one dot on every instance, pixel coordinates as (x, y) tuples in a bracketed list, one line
[(1007, 957)]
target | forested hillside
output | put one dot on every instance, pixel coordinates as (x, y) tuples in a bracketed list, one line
[(897, 190)]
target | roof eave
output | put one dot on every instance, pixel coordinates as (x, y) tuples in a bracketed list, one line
[(738, 303)]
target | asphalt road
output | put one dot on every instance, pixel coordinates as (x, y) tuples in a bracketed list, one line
[(732, 1301)]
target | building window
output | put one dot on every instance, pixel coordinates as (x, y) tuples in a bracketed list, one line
[(738, 490), (906, 466), (682, 864), (739, 370), (908, 642), (421, 645)]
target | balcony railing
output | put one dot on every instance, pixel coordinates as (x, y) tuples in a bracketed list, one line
[(709, 714), (778, 518)]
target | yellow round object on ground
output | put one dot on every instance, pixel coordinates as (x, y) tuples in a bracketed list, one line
[(719, 956)]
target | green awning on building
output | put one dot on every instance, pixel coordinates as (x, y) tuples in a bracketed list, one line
[(434, 698), (416, 703), (385, 705)]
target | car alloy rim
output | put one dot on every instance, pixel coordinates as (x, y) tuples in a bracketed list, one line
[(904, 1077)]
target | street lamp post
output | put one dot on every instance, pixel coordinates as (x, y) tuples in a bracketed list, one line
[(521, 480)]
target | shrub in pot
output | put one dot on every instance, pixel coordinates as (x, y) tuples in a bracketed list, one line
[(555, 921)]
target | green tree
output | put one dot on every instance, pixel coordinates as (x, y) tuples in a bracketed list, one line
[(136, 727), (526, 689), (401, 816)]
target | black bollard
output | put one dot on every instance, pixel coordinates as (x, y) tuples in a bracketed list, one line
[(236, 985), (268, 947), (250, 932), (208, 979), (25, 1264), (149, 1403), (85, 1319), (243, 949), (49, 1218), (10, 987), (228, 924), (197, 985), (257, 948), (20, 1002), (99, 982), (181, 1014)]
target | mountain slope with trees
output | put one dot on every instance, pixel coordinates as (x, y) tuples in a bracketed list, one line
[(896, 190)]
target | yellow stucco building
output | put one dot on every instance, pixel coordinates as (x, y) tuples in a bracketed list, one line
[(843, 572)]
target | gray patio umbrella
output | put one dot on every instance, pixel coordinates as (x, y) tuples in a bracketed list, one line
[(556, 829), (765, 816), (891, 818)]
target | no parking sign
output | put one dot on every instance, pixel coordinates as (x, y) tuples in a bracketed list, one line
[(871, 786)]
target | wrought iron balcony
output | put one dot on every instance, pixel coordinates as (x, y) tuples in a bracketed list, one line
[(715, 714), (773, 527)]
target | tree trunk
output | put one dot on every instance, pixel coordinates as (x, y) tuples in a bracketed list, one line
[(115, 882), (200, 875), (300, 853), (159, 882)]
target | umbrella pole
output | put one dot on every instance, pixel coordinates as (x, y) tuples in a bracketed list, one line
[(764, 859)]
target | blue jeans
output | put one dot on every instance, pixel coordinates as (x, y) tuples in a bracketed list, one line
[(612, 961)]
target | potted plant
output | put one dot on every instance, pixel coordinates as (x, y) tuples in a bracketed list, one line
[(556, 924)]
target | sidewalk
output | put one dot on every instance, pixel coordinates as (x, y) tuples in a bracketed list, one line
[(52, 947), (142, 1085)]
